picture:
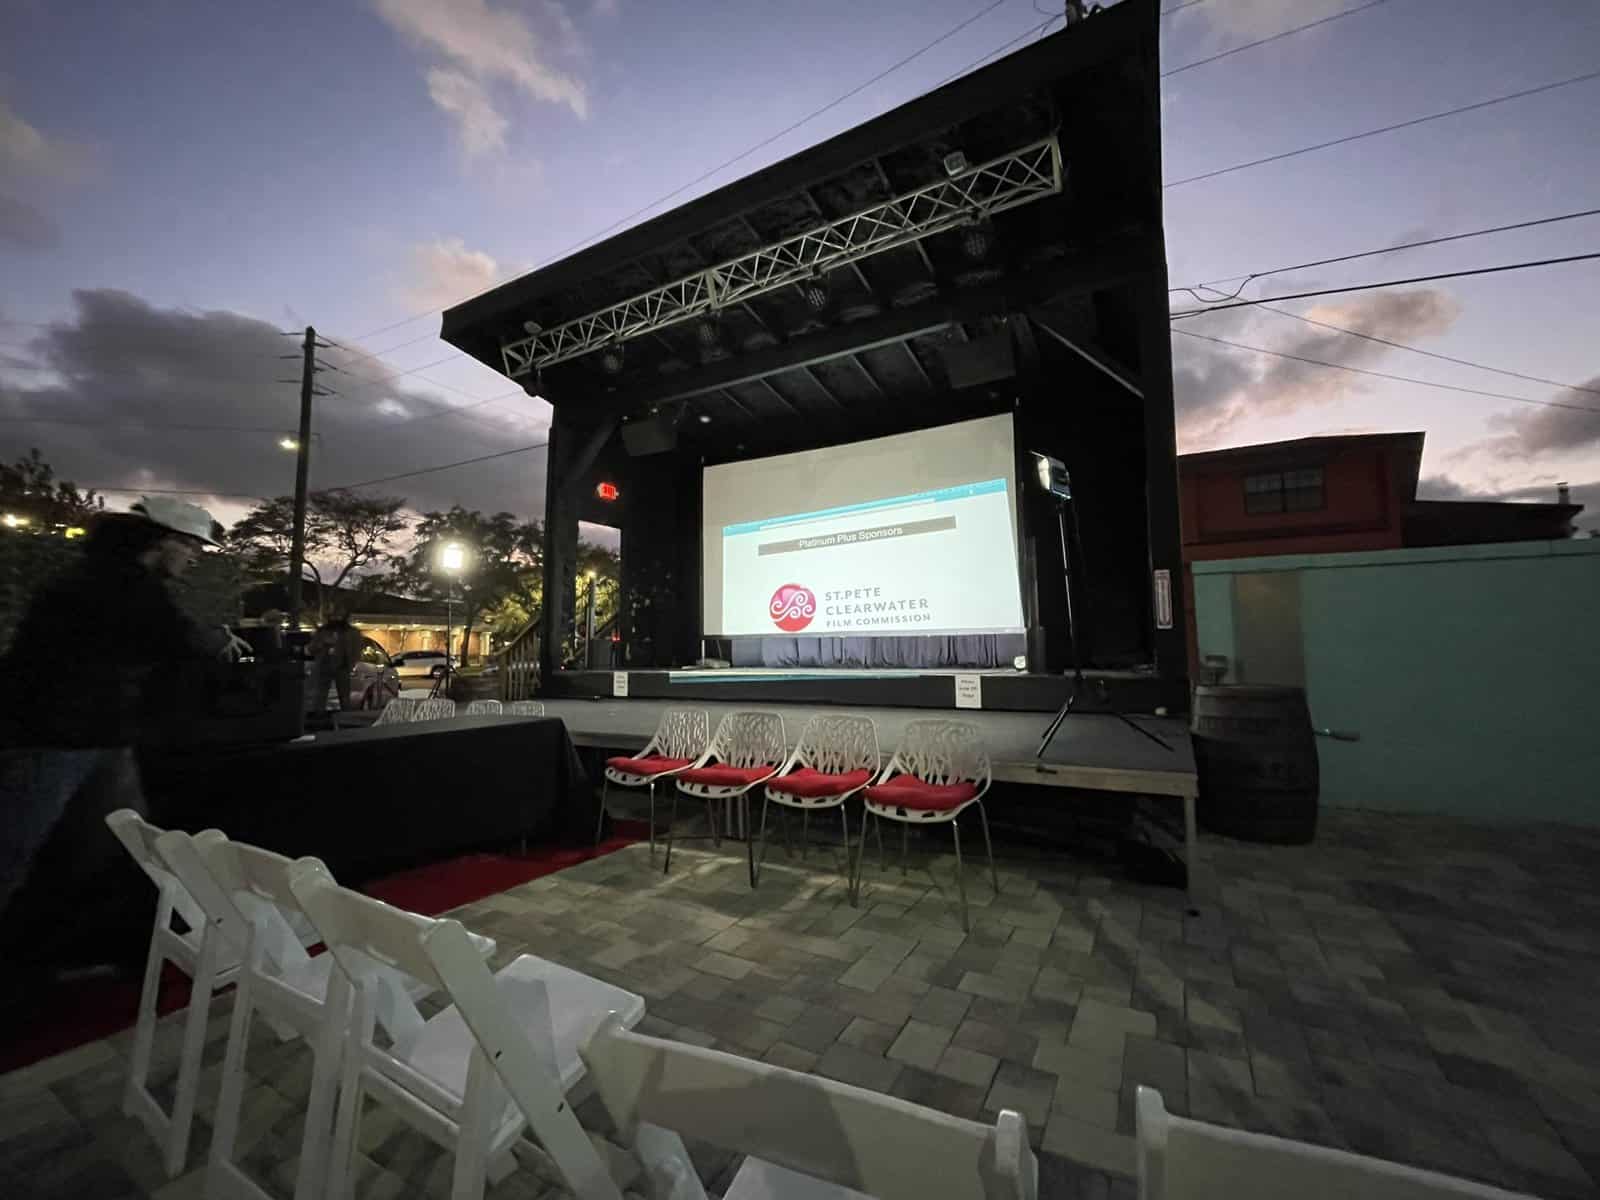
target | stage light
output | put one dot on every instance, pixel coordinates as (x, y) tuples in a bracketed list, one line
[(954, 163), (611, 359), (815, 291), (1053, 476), (708, 332), (705, 418), (606, 491), (532, 328), (976, 238), (76, 531)]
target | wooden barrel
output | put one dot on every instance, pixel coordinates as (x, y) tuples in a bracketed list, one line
[(1257, 760)]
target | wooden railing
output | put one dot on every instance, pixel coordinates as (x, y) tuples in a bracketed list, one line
[(519, 664)]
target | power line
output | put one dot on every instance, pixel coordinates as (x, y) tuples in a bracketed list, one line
[(465, 462), (1356, 137), (1448, 387), (1338, 16), (1367, 287), (165, 427), (155, 491), (1343, 258), (1462, 362)]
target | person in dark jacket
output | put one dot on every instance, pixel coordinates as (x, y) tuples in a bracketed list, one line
[(336, 648), (74, 706)]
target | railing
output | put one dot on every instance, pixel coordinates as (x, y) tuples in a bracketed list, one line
[(519, 664)]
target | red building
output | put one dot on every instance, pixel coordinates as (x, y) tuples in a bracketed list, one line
[(1324, 495)]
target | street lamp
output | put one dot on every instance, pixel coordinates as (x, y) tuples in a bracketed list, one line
[(289, 443), (588, 635), (452, 561)]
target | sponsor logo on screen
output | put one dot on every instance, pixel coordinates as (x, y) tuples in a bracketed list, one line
[(792, 607)]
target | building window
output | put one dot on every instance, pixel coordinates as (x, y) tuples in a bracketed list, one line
[(1284, 491)]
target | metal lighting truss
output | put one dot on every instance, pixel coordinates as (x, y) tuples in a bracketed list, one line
[(972, 194)]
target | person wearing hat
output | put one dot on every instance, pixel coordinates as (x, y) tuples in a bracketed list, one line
[(74, 706)]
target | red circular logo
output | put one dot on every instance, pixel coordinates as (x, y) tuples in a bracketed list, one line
[(792, 607)]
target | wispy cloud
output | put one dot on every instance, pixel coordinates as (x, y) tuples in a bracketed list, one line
[(533, 51), (1543, 432), (26, 226), (444, 272), (27, 150)]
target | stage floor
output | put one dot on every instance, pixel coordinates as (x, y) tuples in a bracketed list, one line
[(1091, 750)]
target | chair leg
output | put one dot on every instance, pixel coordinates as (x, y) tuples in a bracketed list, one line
[(144, 1030), (761, 836), (749, 840), (652, 790), (994, 875), (805, 831), (961, 883), (711, 816), (672, 819), (905, 844), (883, 856), (194, 1041), (316, 1142), (231, 1097), (849, 874)]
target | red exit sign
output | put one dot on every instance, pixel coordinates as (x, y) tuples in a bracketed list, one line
[(606, 491)]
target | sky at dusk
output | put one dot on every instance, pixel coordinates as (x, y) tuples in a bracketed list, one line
[(182, 180)]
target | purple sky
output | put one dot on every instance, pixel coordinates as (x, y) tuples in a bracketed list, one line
[(180, 179)]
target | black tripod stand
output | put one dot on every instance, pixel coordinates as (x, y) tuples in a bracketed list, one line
[(1072, 641)]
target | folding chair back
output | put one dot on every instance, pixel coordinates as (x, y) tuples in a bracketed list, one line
[(436, 709), (397, 712), (139, 838), (483, 708), (838, 742), (749, 739), (1181, 1159), (525, 708), (943, 752), (885, 1147)]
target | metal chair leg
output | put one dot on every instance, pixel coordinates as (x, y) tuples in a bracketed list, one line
[(749, 841), (788, 848), (905, 842), (849, 875), (961, 884), (805, 831), (652, 820), (711, 817), (989, 846), (672, 819), (761, 854), (600, 820), (883, 856)]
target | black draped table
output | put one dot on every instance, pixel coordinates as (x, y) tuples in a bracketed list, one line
[(371, 801)]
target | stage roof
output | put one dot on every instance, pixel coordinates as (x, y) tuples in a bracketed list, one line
[(879, 355)]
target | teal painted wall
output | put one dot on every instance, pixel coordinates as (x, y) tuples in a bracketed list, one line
[(1470, 672)]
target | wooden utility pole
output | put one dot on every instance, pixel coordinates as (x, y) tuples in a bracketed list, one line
[(302, 470)]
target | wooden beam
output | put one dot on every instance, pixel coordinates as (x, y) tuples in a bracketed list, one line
[(867, 375), (1090, 354), (825, 389), (917, 363), (777, 395)]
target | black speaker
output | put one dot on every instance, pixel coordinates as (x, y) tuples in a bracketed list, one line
[(657, 435)]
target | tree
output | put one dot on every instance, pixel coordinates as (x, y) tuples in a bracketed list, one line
[(345, 534), (504, 558), (30, 490)]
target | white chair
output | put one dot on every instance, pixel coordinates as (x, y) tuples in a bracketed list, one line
[(483, 708), (437, 709), (525, 708), (807, 1137), (397, 712), (432, 1072), (836, 757), (1181, 1159), (939, 770), (678, 741), (201, 954), (748, 749)]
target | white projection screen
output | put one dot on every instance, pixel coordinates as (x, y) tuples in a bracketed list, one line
[(898, 536)]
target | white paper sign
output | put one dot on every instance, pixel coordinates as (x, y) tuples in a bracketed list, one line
[(1163, 582), (969, 691), (619, 683)]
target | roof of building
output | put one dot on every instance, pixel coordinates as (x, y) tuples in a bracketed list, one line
[(359, 603), (1311, 452)]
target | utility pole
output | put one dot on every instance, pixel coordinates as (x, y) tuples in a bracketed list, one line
[(302, 469)]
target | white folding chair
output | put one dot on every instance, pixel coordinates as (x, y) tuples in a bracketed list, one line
[(678, 741), (397, 712), (431, 1071), (836, 757), (201, 954), (939, 770), (525, 708), (1181, 1159), (748, 749), (483, 708), (803, 1133), (437, 709)]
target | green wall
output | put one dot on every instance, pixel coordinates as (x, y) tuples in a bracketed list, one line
[(1470, 672)]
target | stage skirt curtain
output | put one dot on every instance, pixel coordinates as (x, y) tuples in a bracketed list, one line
[(926, 653)]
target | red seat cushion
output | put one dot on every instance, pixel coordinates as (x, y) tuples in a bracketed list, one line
[(812, 783), (722, 775), (654, 765), (907, 791)]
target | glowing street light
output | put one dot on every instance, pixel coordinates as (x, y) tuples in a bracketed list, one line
[(289, 443), (13, 521), (453, 556), (452, 560)]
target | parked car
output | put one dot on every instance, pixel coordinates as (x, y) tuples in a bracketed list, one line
[(423, 662), (373, 680)]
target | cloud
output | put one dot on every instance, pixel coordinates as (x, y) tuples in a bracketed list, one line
[(445, 272), (24, 150), (1532, 432), (1443, 487), (1254, 18), (481, 127), (1215, 388), (27, 227), (127, 363), (533, 51)]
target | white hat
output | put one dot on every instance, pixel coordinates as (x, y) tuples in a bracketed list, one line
[(179, 516)]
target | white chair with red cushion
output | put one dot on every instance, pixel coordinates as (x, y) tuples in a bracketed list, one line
[(679, 740), (837, 756), (748, 749), (940, 770)]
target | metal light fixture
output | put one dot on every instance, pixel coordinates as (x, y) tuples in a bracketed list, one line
[(815, 291), (977, 238), (611, 359), (709, 332)]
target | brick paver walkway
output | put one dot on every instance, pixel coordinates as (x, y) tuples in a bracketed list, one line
[(1422, 990)]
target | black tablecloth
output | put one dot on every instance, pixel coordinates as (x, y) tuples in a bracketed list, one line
[(371, 801)]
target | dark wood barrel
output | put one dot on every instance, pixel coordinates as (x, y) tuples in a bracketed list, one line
[(1257, 759)]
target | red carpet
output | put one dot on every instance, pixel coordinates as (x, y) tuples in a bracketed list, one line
[(62, 1016)]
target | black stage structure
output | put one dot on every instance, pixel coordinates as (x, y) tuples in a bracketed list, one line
[(995, 245)]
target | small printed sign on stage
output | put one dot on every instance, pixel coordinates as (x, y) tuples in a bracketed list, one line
[(969, 691), (619, 683), (1163, 598)]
